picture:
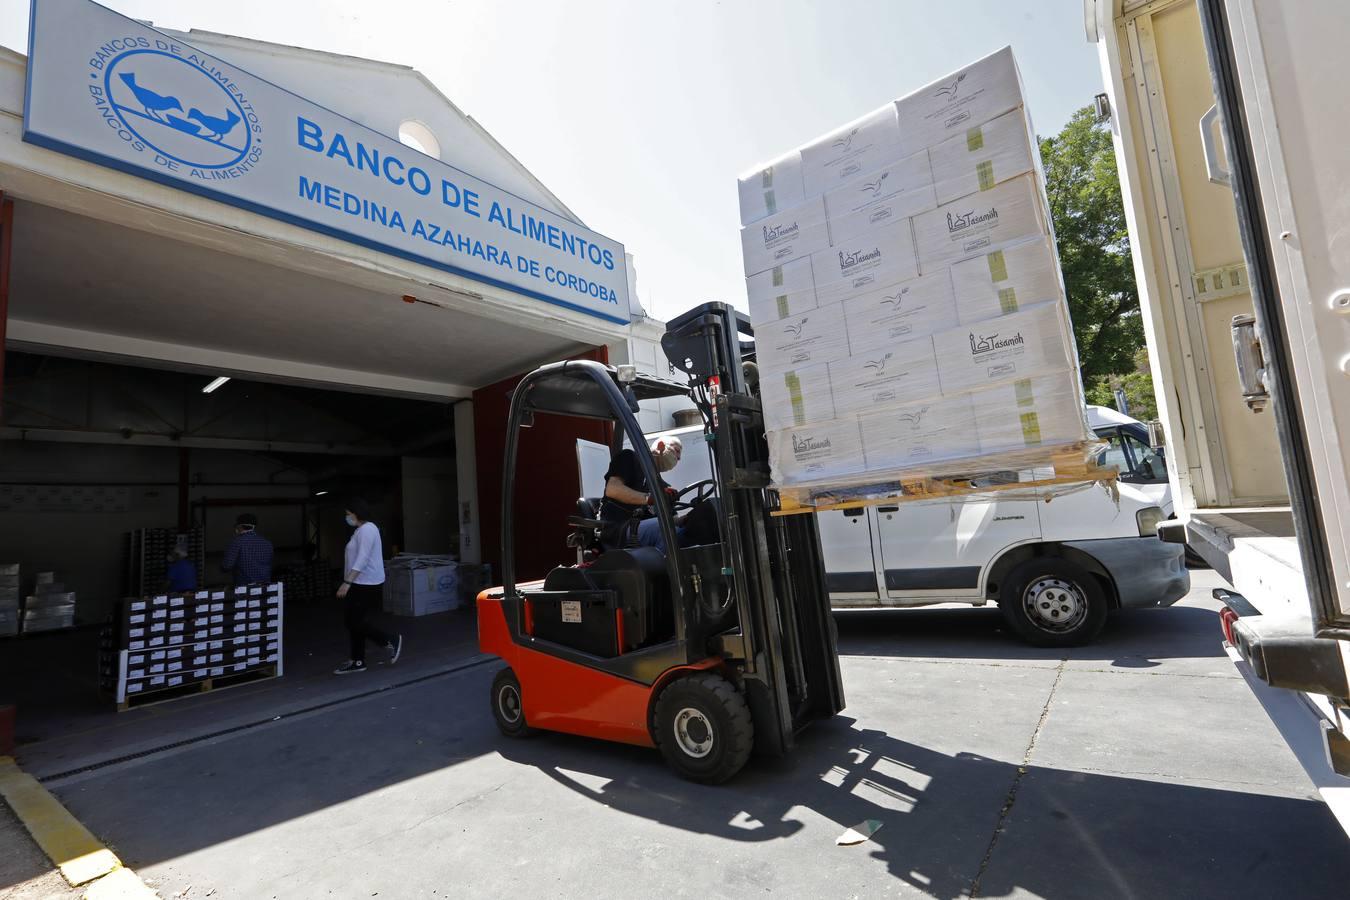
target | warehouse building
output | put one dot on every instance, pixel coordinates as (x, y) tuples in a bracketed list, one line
[(243, 277)]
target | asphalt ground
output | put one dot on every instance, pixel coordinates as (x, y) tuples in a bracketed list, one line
[(1138, 767)]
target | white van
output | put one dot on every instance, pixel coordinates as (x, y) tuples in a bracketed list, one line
[(1068, 557)]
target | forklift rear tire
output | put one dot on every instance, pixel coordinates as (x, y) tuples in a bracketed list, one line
[(703, 728), (506, 705), (1051, 602)]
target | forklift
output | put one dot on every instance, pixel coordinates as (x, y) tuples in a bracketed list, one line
[(706, 652)]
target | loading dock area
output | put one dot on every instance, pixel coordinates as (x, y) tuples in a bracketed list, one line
[(341, 361)]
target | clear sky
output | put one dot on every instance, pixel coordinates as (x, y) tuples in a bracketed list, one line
[(639, 115)]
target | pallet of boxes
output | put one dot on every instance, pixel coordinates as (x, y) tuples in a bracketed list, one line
[(50, 607), (911, 327), (171, 645), (9, 599)]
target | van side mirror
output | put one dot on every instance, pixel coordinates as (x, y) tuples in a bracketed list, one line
[(1156, 439)]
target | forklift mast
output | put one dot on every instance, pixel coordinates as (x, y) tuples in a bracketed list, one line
[(786, 644)]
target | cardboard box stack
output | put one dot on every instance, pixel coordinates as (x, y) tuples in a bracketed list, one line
[(419, 585), (9, 599), (909, 311), (49, 607), (170, 640)]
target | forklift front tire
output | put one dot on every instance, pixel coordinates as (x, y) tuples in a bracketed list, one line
[(506, 705), (703, 728)]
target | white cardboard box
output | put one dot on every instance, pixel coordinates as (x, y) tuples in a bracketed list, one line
[(772, 187), (820, 452), (982, 157), (863, 145), (795, 342), (920, 434), (901, 312), (902, 374), (797, 397), (786, 290), (791, 234), (882, 198), (850, 268), (1031, 413), (1025, 344), (966, 97), (1004, 281), (992, 219)]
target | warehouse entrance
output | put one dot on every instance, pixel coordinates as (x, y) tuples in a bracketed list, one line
[(336, 380)]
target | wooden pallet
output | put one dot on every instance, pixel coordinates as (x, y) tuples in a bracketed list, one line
[(179, 691), (1071, 467)]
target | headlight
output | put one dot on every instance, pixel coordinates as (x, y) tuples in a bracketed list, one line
[(1148, 519)]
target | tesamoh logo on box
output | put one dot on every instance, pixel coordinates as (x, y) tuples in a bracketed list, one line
[(179, 107), (989, 343), (966, 220), (804, 445)]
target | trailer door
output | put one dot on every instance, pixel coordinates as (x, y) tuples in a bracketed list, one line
[(1282, 94)]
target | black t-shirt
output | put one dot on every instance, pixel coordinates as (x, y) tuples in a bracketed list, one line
[(625, 466)]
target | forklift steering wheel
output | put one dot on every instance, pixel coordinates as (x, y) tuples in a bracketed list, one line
[(702, 491)]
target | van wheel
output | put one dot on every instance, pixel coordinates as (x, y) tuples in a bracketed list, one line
[(507, 709), (703, 728), (1051, 602)]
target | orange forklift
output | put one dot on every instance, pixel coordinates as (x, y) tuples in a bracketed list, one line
[(707, 651)]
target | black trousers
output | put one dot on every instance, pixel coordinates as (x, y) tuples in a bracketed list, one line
[(361, 601)]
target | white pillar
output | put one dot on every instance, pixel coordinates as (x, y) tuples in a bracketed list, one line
[(466, 470)]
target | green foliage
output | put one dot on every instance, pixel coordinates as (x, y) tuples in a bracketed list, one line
[(1138, 387), (1094, 252)]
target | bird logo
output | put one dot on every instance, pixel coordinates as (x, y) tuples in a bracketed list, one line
[(874, 187), (182, 111), (156, 106), (215, 129), (950, 90)]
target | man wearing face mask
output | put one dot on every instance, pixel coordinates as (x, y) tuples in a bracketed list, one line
[(249, 556), (627, 492), (362, 589)]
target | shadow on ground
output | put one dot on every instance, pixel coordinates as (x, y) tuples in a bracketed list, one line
[(1069, 834)]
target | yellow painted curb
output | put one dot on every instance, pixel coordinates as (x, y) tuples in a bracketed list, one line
[(122, 884), (76, 852)]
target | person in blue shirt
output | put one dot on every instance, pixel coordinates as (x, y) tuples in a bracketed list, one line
[(182, 572), (249, 556)]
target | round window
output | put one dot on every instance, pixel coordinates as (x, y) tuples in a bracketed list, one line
[(419, 137)]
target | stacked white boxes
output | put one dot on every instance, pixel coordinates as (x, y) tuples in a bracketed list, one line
[(9, 599), (909, 311)]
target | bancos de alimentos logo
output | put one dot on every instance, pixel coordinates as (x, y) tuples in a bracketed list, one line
[(177, 106)]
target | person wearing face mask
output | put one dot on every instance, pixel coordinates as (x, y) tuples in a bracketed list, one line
[(362, 589), (627, 493), (249, 556)]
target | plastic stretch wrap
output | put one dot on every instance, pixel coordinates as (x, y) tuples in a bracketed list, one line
[(909, 311)]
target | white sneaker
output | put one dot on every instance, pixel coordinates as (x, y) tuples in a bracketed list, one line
[(395, 648)]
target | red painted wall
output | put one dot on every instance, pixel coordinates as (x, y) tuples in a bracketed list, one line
[(546, 478)]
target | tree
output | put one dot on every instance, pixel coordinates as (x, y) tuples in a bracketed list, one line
[(1137, 385), (1094, 252)]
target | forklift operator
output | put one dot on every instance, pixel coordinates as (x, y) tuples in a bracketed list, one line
[(627, 493)]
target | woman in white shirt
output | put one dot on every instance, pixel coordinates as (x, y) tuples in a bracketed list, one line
[(362, 589)]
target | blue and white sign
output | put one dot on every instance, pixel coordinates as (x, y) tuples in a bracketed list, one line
[(105, 88)]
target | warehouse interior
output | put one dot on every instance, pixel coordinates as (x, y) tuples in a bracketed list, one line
[(92, 452)]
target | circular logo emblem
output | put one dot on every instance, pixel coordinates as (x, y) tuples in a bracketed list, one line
[(180, 110)]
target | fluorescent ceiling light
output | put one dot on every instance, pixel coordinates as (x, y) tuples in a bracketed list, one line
[(215, 384), (320, 493)]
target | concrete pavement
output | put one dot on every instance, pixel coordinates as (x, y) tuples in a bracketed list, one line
[(1138, 767)]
